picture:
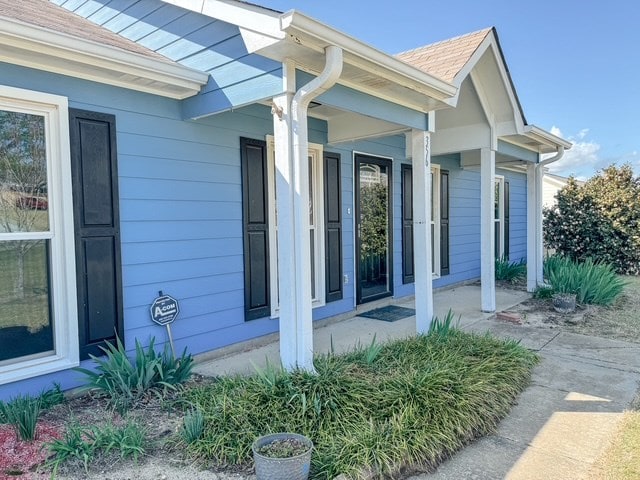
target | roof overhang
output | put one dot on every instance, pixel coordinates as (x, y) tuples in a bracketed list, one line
[(539, 140), (37, 47)]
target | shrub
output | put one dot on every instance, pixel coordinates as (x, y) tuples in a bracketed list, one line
[(510, 271), (125, 383), (543, 292), (593, 283), (419, 400), (192, 426), (598, 220)]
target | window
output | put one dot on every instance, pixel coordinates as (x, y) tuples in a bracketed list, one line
[(499, 216), (435, 220), (316, 224), (38, 329)]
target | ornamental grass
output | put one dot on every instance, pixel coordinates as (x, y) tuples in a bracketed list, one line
[(375, 411)]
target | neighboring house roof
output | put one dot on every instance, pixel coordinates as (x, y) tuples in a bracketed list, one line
[(445, 59), (39, 34)]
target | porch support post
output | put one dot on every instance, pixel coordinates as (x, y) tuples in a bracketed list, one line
[(421, 160), (532, 228), (284, 203), (539, 229), (487, 228)]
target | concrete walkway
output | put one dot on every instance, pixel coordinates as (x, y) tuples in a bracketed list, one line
[(562, 422)]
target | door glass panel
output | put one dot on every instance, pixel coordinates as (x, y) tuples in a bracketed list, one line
[(24, 198), (26, 327), (373, 230)]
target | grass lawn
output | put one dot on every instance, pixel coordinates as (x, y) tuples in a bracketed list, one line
[(621, 461), (378, 411)]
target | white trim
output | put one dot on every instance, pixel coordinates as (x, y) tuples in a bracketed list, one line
[(315, 151), (54, 109), (36, 47), (499, 180)]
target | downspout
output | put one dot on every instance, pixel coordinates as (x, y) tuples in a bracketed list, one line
[(300, 144), (539, 233)]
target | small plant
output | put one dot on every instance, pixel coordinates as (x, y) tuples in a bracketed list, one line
[(543, 292), (442, 328), (22, 413), (192, 426), (83, 444), (283, 448), (126, 383), (512, 272), (51, 398), (370, 352)]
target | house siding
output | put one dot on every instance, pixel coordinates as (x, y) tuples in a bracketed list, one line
[(194, 40)]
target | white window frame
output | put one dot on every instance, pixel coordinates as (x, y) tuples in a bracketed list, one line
[(54, 109), (499, 180), (435, 222), (316, 153)]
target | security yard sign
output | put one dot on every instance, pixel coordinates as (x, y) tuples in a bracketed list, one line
[(164, 309)]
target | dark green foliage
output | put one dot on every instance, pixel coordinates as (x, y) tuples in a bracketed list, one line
[(51, 398), (442, 328), (507, 271), (22, 413), (83, 444), (126, 382), (593, 283), (598, 220), (543, 292), (414, 403)]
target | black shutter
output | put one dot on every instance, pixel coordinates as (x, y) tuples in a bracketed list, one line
[(444, 222), (407, 224), (506, 219), (333, 227), (255, 216), (94, 166)]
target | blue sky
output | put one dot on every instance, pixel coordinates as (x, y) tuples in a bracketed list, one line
[(575, 65)]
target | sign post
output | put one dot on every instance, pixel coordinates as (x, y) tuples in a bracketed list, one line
[(164, 311)]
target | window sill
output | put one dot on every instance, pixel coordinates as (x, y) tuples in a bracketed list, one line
[(34, 368)]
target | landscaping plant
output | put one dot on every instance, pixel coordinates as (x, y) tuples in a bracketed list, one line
[(22, 413), (507, 271), (592, 282), (126, 382), (413, 403), (599, 219)]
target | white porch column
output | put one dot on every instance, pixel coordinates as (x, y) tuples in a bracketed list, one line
[(532, 229), (284, 203), (538, 237), (487, 228), (421, 160)]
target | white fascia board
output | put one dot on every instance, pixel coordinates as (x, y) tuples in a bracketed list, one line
[(366, 57), (66, 54), (546, 138)]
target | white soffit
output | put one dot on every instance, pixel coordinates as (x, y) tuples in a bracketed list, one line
[(37, 47)]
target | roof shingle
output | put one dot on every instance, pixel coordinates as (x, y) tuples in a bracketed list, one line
[(445, 59), (45, 14)]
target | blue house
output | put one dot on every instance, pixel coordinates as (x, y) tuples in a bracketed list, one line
[(264, 169)]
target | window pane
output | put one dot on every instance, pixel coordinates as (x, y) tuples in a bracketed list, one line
[(311, 194), (312, 242), (23, 173), (496, 201), (25, 321)]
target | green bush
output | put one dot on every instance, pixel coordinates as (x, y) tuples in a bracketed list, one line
[(125, 383), (416, 402), (192, 425), (598, 220), (510, 271), (593, 283)]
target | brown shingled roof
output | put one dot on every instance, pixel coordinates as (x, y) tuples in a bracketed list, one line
[(445, 59), (45, 14)]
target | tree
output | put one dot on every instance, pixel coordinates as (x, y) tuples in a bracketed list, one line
[(598, 220)]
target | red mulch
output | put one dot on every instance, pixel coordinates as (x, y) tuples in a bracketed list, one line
[(18, 459)]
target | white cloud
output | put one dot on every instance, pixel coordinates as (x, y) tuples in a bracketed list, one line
[(582, 160)]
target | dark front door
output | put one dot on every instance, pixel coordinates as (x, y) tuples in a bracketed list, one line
[(373, 228)]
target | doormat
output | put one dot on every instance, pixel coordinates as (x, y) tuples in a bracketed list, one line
[(390, 313)]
